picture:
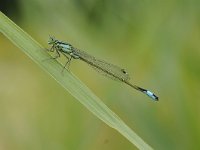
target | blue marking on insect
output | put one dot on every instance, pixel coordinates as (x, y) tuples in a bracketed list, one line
[(150, 94)]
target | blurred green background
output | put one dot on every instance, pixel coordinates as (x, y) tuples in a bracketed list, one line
[(158, 42)]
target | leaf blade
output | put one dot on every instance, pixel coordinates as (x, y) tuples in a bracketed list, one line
[(68, 81)]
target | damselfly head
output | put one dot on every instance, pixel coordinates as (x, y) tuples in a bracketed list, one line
[(52, 40)]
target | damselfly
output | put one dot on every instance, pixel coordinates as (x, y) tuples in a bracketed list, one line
[(101, 66)]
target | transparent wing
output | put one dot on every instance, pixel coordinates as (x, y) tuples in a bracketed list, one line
[(103, 67)]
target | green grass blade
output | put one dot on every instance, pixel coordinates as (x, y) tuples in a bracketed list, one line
[(68, 81)]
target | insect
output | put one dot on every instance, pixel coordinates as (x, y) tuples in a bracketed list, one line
[(101, 66)]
